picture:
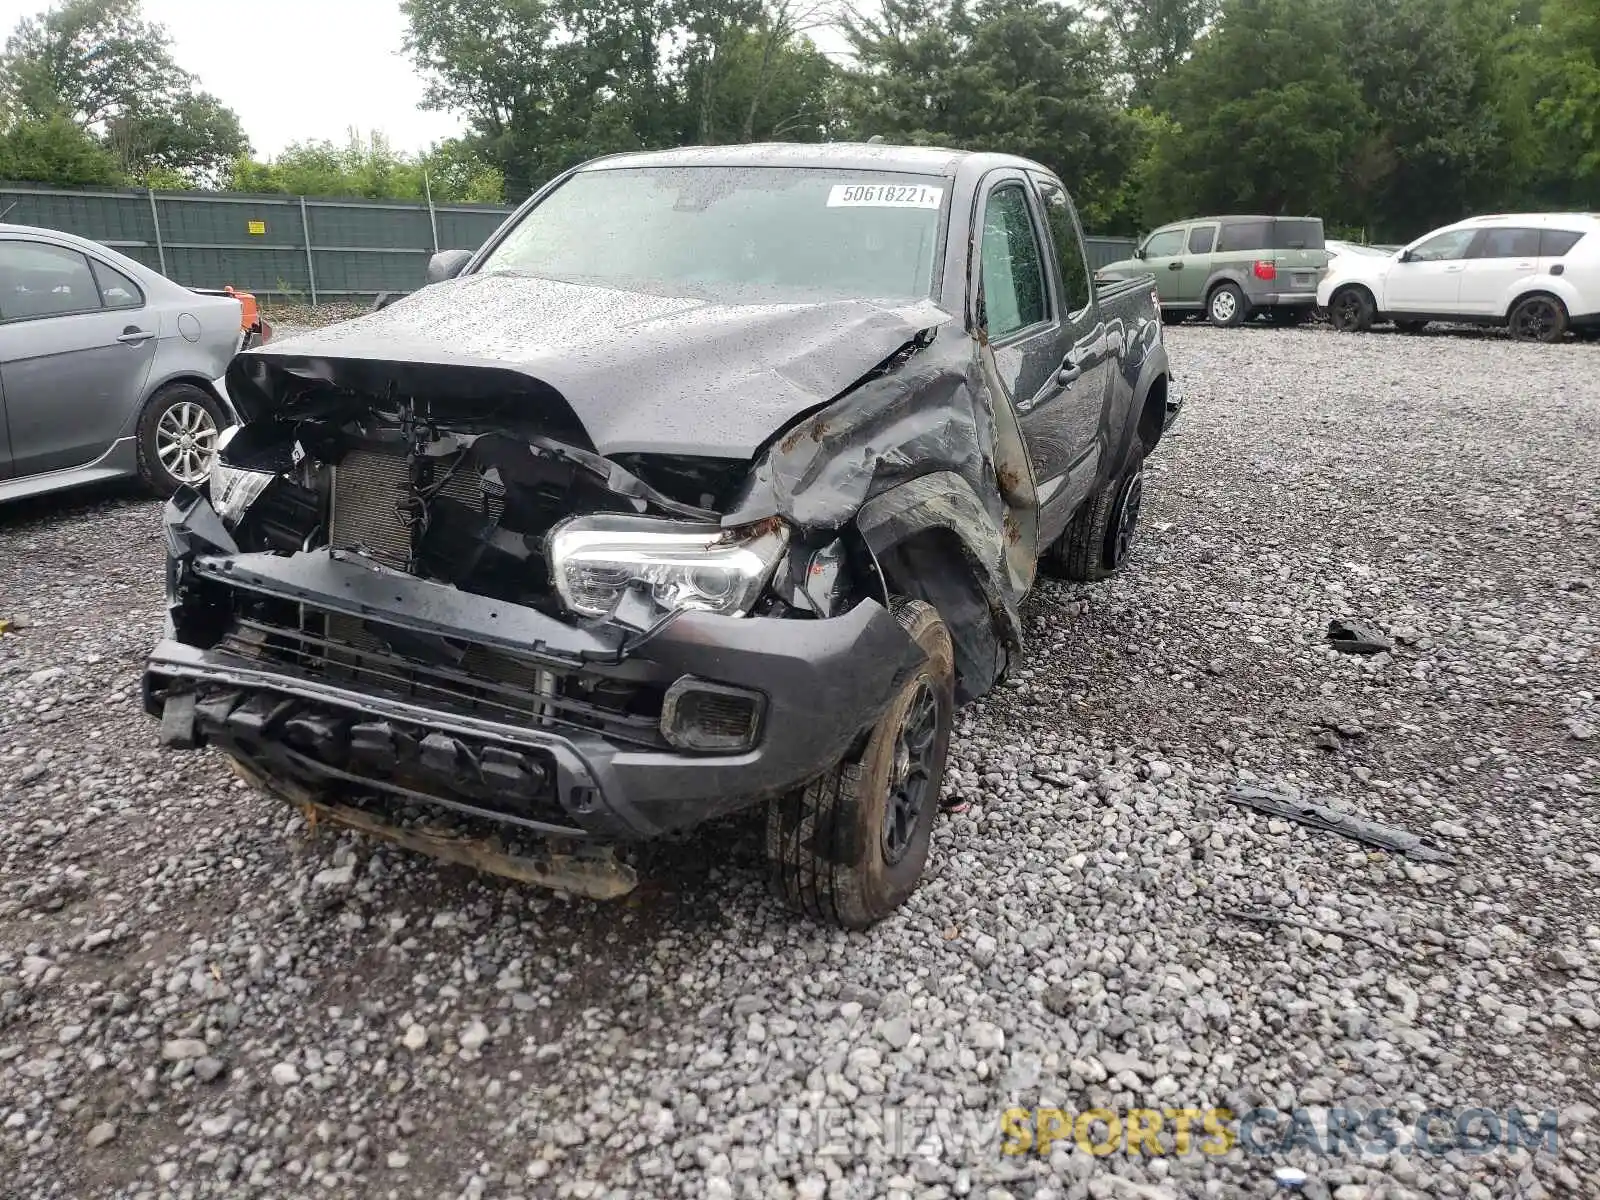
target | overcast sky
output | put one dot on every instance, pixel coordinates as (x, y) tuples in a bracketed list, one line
[(296, 69)]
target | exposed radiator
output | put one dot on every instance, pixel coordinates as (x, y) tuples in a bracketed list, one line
[(367, 490)]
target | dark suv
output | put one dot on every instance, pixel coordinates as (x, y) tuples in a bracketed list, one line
[(1231, 268)]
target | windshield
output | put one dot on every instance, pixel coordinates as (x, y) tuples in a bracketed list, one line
[(760, 234)]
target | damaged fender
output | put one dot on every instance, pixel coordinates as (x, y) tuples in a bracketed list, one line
[(930, 443)]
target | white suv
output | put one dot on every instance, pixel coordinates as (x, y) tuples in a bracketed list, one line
[(1537, 273)]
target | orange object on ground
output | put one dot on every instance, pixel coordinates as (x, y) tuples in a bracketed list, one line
[(247, 302)]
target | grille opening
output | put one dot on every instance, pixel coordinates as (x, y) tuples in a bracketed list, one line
[(474, 681)]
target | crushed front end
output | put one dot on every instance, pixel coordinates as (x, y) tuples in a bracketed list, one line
[(443, 599)]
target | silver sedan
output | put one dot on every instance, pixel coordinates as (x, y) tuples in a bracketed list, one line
[(107, 368)]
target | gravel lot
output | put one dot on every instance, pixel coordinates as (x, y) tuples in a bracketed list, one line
[(198, 998)]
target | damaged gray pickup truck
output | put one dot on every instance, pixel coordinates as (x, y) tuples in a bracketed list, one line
[(714, 479)]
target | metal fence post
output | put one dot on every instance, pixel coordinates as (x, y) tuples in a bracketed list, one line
[(311, 270), (155, 220), (433, 221)]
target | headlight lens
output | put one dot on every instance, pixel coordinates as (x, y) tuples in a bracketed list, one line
[(595, 559), (234, 490)]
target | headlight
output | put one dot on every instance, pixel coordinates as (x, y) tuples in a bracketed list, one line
[(595, 559), (234, 490)]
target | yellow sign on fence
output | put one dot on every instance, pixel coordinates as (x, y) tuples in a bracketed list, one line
[(258, 227)]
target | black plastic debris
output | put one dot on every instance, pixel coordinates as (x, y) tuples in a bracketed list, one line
[(1329, 820), (1351, 635)]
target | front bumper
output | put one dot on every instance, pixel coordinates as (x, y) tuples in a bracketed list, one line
[(823, 682)]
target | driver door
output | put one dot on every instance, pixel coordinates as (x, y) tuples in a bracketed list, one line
[(1427, 277), (1163, 257)]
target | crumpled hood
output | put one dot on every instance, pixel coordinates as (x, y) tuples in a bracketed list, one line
[(642, 373)]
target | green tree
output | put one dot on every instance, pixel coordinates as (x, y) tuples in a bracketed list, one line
[(54, 150), (545, 84), (1024, 76), (1557, 85), (1153, 36), (1265, 116), (1435, 146), (101, 66), (370, 169)]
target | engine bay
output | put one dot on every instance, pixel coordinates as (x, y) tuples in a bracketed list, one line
[(452, 493)]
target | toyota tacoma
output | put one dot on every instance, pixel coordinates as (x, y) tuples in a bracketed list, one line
[(714, 479)]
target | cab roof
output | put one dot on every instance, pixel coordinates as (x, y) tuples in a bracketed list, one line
[(847, 156)]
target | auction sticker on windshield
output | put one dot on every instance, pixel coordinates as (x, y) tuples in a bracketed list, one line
[(884, 195)]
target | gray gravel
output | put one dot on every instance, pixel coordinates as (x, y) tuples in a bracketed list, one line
[(199, 998)]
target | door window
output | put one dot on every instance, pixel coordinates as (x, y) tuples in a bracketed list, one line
[(1164, 244), (1202, 238), (1069, 246), (1508, 243), (1556, 242), (39, 280), (1444, 246), (116, 289), (1013, 275)]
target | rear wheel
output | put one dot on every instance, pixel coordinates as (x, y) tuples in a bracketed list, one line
[(849, 847), (177, 437), (1227, 306), (1538, 319), (1351, 310), (1103, 531)]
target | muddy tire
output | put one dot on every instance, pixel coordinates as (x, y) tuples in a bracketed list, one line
[(849, 847), (177, 437), (1103, 531)]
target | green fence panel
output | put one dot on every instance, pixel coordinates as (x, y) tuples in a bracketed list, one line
[(464, 228), (117, 218)]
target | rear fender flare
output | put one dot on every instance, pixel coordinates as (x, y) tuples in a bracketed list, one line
[(1153, 366)]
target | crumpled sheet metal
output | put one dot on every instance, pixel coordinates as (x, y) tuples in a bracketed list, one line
[(642, 373), (932, 416)]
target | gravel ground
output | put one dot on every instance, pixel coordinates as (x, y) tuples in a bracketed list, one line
[(200, 998)]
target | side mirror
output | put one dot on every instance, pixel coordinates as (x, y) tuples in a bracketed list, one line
[(1138, 251), (447, 264), (1407, 256)]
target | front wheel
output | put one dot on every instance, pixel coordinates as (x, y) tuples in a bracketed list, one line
[(1539, 319), (177, 437), (1227, 306), (849, 847), (1351, 310)]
